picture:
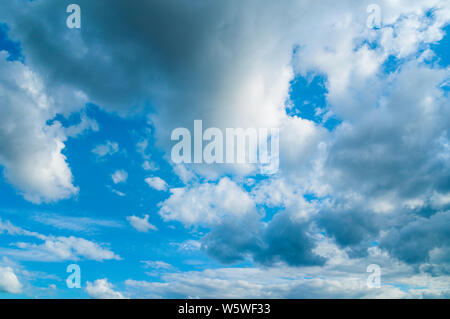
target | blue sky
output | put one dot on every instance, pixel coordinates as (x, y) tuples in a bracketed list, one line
[(87, 177)]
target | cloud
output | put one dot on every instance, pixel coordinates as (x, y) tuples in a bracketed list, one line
[(120, 176), (107, 149), (253, 85), (236, 229), (30, 148), (81, 224), (9, 282), (53, 248), (431, 235), (206, 204), (381, 176), (141, 224), (157, 183), (340, 277), (150, 166), (188, 245), (282, 282), (157, 264), (285, 239), (102, 289), (118, 193)]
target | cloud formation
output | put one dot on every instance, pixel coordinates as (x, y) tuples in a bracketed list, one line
[(157, 183), (141, 224), (53, 248), (30, 148), (379, 178), (9, 282), (102, 289)]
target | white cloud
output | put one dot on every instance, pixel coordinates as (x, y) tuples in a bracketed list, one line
[(9, 282), (53, 248), (156, 264), (30, 148), (82, 224), (206, 204), (183, 173), (188, 245), (109, 148), (118, 193), (258, 283), (157, 183), (120, 176), (102, 289), (150, 166), (341, 277), (141, 224)]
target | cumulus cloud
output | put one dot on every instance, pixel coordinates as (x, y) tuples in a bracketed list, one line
[(254, 97), (30, 147), (431, 235), (206, 204), (141, 224), (119, 176), (102, 289), (9, 282), (157, 183)]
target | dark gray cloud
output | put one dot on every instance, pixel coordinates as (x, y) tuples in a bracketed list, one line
[(354, 228), (283, 239), (415, 241)]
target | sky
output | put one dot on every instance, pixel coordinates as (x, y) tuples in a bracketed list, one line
[(359, 91)]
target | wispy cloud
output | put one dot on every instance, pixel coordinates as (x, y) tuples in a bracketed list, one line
[(53, 248), (141, 224), (79, 224), (107, 149)]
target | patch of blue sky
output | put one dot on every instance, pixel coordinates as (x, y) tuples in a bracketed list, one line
[(374, 244), (442, 49), (6, 44), (308, 100)]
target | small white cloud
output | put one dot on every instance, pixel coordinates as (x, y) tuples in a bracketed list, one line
[(189, 245), (150, 166), (156, 264), (141, 224), (102, 289), (118, 193), (157, 183), (86, 124), (109, 148), (81, 224), (9, 282), (119, 177)]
